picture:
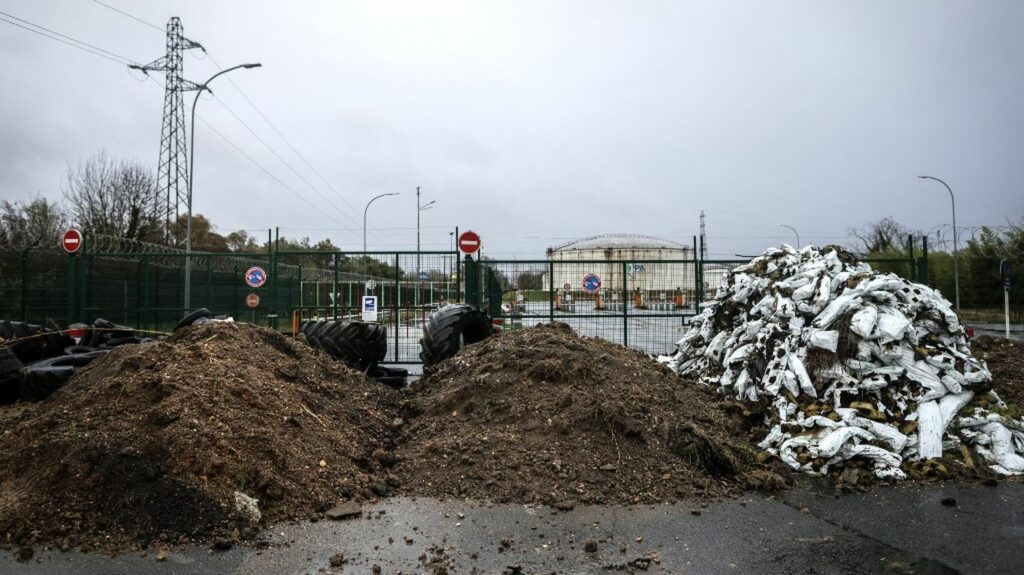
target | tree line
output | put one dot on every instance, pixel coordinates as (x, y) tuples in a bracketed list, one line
[(117, 198)]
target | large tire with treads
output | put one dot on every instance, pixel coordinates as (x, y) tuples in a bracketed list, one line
[(10, 375), (451, 327), (358, 344)]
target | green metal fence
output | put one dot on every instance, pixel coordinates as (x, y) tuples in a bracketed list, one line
[(641, 304)]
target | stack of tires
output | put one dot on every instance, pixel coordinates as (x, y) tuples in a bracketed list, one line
[(37, 361), (357, 344)]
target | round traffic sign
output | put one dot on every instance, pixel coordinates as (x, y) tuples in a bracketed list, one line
[(71, 241), (252, 300), (567, 286), (469, 242), (591, 283), (255, 276)]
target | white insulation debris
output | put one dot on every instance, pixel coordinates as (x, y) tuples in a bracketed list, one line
[(853, 363)]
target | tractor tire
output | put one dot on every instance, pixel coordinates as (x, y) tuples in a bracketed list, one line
[(39, 382), (10, 375), (317, 329), (72, 360), (450, 328), (358, 344), (393, 377), (33, 342), (188, 319)]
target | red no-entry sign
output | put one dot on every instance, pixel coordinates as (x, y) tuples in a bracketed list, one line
[(71, 241), (469, 242)]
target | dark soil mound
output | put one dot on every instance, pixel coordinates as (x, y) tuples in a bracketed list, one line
[(1005, 361), (152, 443), (543, 415)]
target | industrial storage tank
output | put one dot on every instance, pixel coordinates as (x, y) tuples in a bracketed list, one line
[(659, 269)]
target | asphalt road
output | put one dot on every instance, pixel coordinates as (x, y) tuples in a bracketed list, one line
[(904, 529)]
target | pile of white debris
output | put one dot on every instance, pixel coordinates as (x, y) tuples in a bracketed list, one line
[(852, 363)]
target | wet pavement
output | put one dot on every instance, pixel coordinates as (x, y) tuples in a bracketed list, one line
[(903, 529)]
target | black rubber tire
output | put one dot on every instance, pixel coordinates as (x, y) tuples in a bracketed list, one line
[(313, 335), (393, 377), (10, 375), (360, 345), (451, 327), (117, 341), (36, 344), (38, 382), (188, 319), (75, 349), (72, 360), (202, 321), (319, 328)]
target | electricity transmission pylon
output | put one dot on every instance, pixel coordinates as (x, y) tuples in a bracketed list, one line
[(172, 170)]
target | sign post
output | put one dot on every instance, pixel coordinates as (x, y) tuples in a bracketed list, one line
[(1005, 269)]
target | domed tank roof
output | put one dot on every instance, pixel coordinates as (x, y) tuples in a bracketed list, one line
[(619, 241)]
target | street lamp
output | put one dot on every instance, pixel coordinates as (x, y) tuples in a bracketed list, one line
[(956, 258), (795, 232), (191, 163), (419, 208), (364, 225)]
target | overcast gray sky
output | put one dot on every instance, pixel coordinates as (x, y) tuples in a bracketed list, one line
[(535, 122)]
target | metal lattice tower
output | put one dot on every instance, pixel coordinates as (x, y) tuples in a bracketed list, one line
[(172, 171)]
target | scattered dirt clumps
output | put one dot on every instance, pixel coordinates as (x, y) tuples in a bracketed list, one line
[(543, 415), (207, 435), (1004, 360)]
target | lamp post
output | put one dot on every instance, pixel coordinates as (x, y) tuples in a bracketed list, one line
[(795, 232), (364, 225), (191, 174), (956, 257), (420, 208)]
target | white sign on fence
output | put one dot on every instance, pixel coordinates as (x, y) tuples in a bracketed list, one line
[(370, 308)]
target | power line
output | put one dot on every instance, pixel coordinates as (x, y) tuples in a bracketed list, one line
[(289, 144), (286, 140), (136, 18), (65, 39), (278, 156), (257, 164)]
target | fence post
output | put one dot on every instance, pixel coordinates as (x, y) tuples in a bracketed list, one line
[(472, 282), (209, 282), (625, 306), (144, 298), (24, 282), (922, 268), (71, 287), (334, 287), (910, 248), (551, 291), (234, 291), (397, 308)]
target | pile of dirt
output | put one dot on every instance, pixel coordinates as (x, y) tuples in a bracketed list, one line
[(1004, 360), (543, 415), (207, 435)]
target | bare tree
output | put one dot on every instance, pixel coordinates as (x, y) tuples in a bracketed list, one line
[(39, 222), (884, 235), (113, 198)]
